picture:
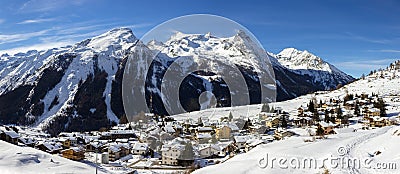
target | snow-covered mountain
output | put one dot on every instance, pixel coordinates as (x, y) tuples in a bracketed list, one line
[(79, 87), (64, 88), (306, 63)]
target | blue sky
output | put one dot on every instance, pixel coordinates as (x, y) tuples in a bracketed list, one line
[(355, 36)]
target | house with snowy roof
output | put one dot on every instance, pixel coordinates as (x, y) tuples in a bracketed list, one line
[(9, 135), (252, 143), (240, 141), (139, 148), (74, 153), (120, 134), (117, 150), (281, 133), (223, 132), (49, 147), (208, 150), (27, 141), (327, 127)]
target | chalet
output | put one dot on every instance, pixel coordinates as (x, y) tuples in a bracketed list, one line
[(300, 111), (208, 150), (74, 153), (252, 143), (116, 151), (49, 147), (27, 141), (327, 127), (203, 137), (280, 134), (208, 130), (226, 148), (169, 129), (65, 141), (302, 121), (95, 146), (9, 136), (122, 134), (171, 152), (139, 148), (372, 112), (240, 141), (223, 132), (272, 122), (377, 121)]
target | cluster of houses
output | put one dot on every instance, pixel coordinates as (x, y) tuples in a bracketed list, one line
[(202, 141)]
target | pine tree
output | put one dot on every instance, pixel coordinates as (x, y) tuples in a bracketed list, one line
[(265, 108), (327, 119), (247, 124), (187, 153), (320, 131), (339, 113), (123, 119), (230, 116), (284, 122), (311, 106), (382, 108), (356, 109), (363, 76), (316, 116)]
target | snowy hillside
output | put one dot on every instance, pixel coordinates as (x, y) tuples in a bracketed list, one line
[(359, 145), (15, 159)]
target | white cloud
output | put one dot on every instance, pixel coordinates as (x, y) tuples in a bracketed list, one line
[(47, 5), (385, 51), (59, 36), (364, 64), (367, 39), (31, 21), (39, 47), (9, 38)]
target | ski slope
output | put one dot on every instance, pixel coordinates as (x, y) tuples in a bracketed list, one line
[(358, 145)]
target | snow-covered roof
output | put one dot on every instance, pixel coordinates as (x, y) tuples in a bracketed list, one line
[(203, 135), (12, 134), (325, 124), (204, 129), (254, 142), (169, 129), (241, 139), (140, 146), (122, 132)]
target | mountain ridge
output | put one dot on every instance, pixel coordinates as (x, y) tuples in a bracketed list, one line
[(79, 87)]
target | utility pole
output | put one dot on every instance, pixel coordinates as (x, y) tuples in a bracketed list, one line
[(96, 159)]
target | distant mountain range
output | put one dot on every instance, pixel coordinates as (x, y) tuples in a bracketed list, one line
[(79, 87)]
